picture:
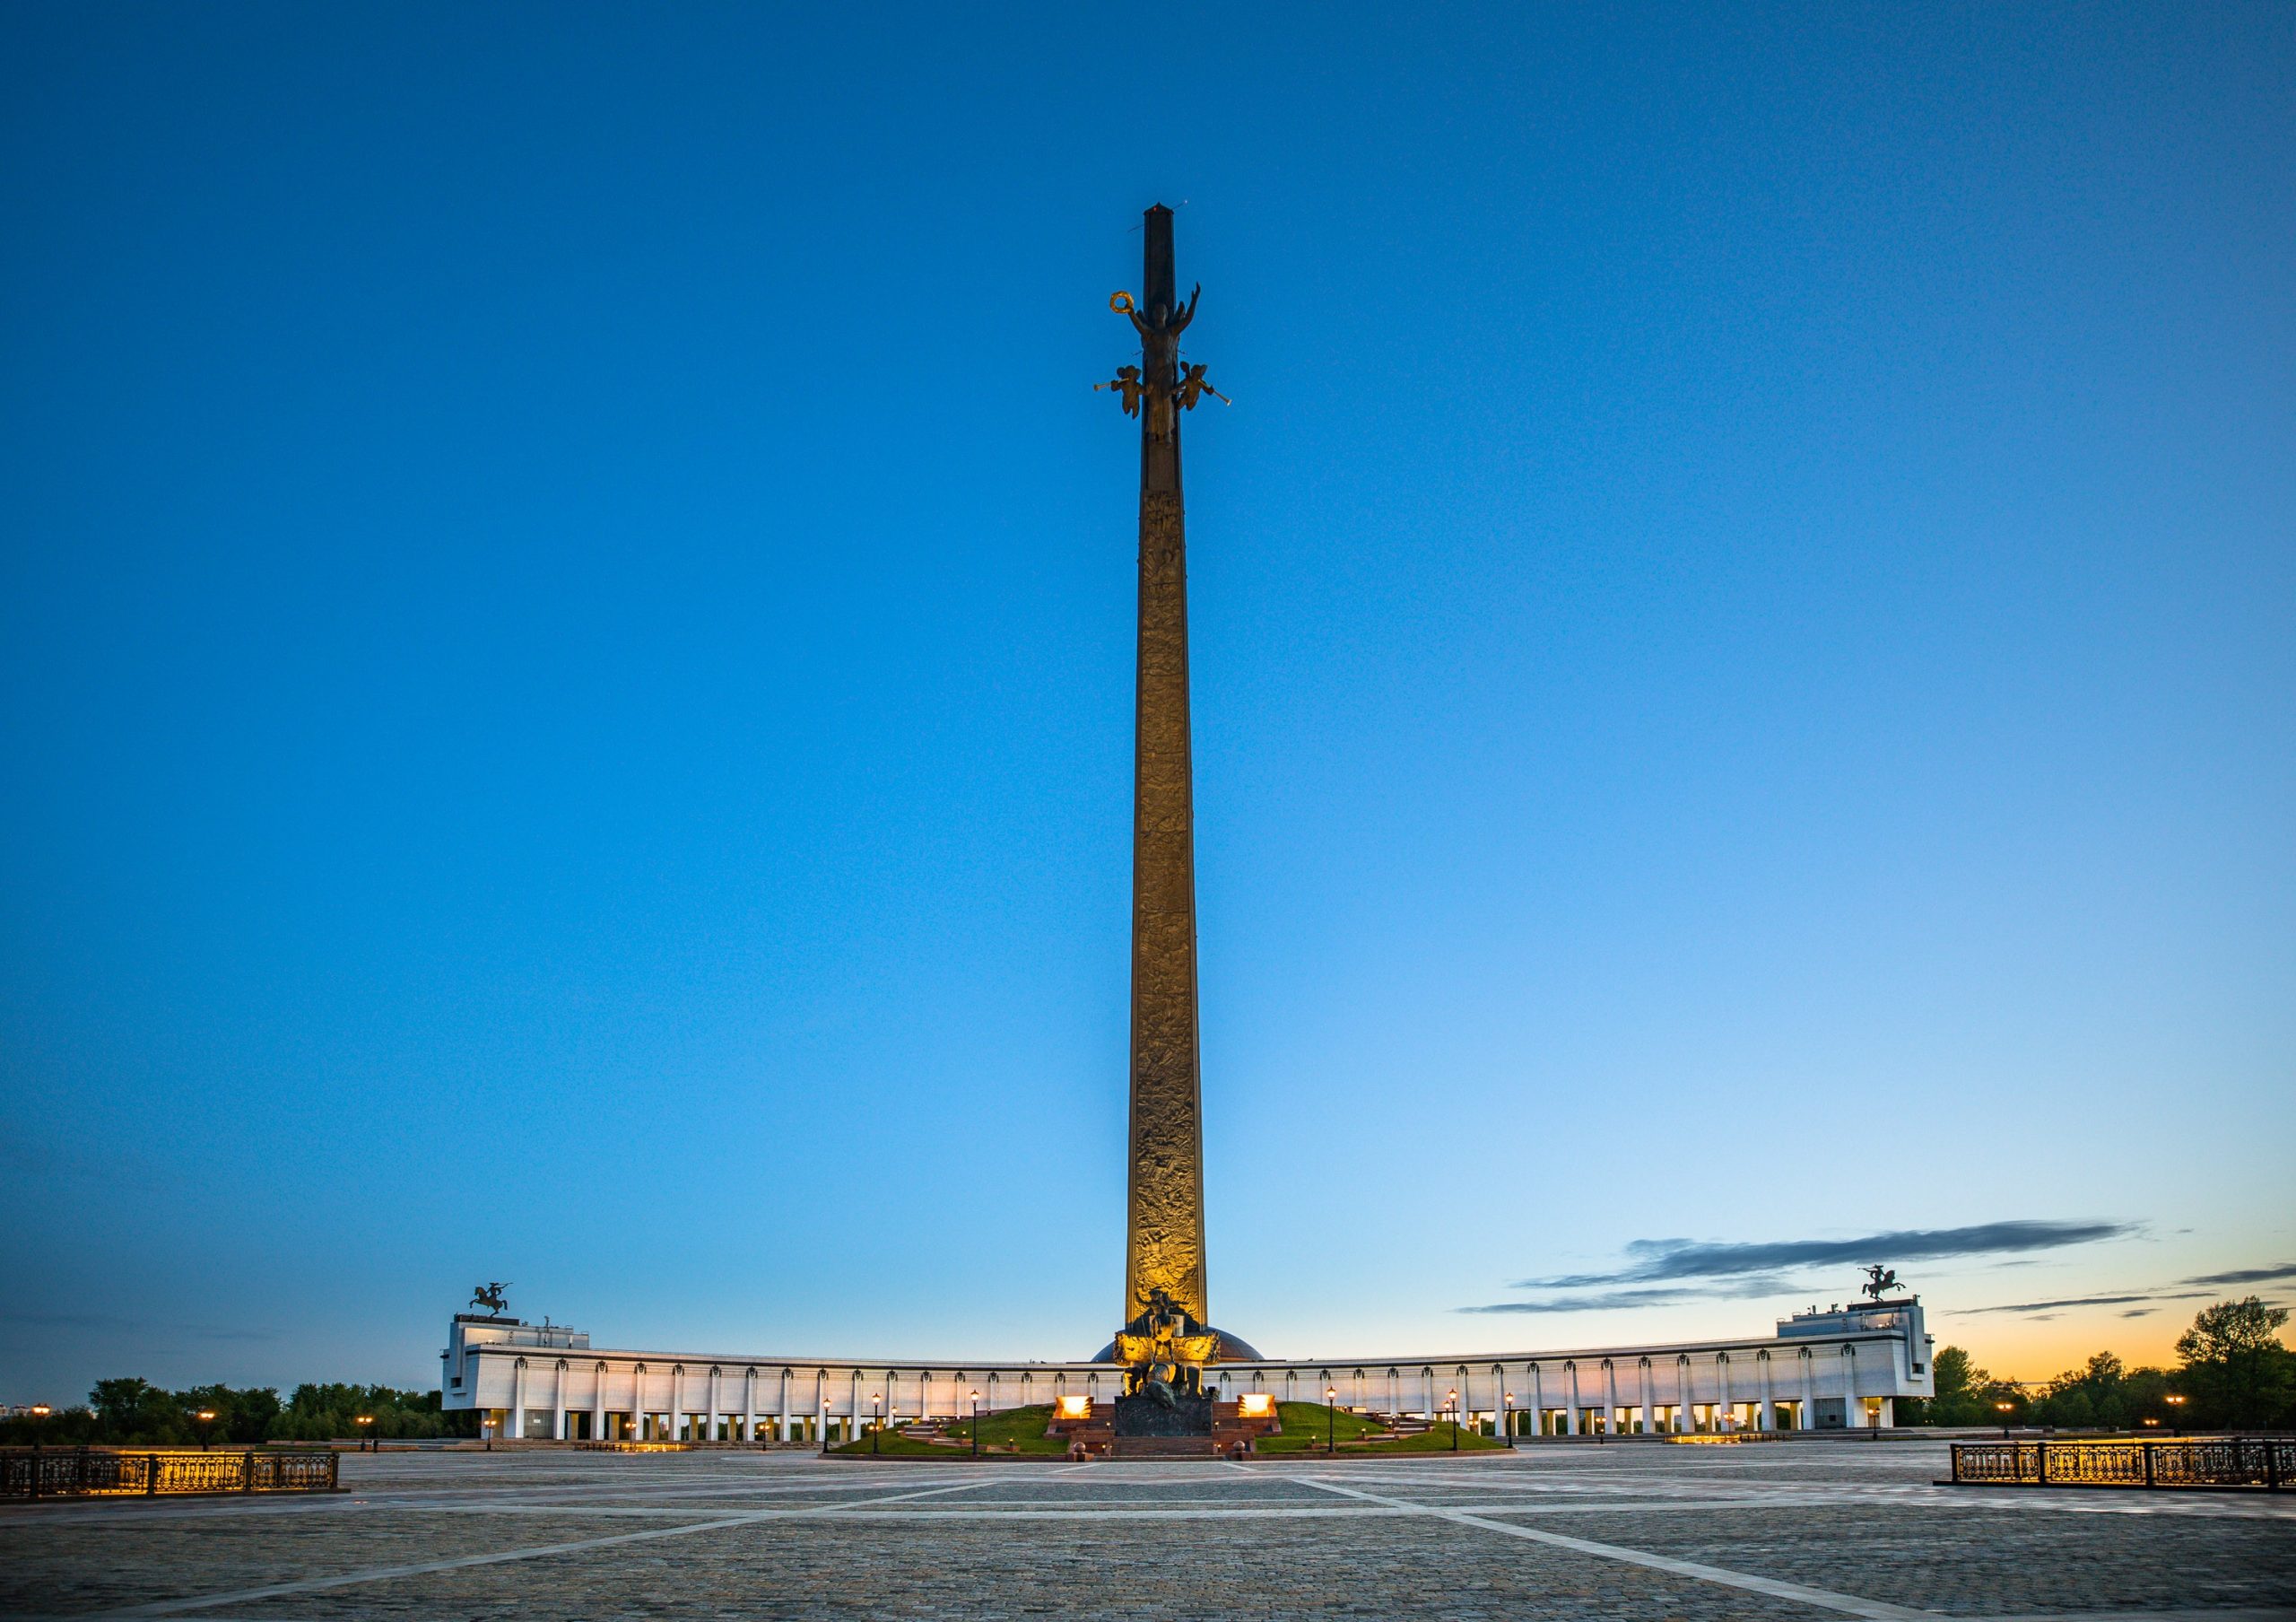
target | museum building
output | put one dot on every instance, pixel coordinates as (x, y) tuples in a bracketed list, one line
[(1833, 1370)]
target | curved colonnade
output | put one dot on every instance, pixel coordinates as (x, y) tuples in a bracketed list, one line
[(1820, 1371)]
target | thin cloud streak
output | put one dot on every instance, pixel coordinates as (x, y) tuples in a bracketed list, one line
[(2255, 1275), (2044, 1306), (1657, 1260), (1627, 1301), (2178, 1291)]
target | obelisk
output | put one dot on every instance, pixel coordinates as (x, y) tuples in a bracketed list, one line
[(1164, 1250)]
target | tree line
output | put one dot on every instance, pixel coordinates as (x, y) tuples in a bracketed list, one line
[(137, 1413), (2233, 1374)]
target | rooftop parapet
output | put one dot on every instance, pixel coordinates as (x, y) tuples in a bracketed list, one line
[(1858, 1318)]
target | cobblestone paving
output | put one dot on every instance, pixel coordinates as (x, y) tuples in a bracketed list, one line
[(1809, 1530)]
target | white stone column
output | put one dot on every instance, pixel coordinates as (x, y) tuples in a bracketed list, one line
[(598, 1402), (677, 1399), (1570, 1414), (717, 1379), (1538, 1404), (1682, 1383), (1889, 1413), (1649, 1418), (1610, 1396), (786, 1424), (558, 1402), (1768, 1415), (516, 1424), (1808, 1417), (1853, 1411), (1724, 1420), (749, 1404)]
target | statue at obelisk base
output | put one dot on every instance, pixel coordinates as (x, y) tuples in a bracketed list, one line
[(1166, 1338)]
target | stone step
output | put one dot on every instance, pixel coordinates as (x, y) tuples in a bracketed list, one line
[(1164, 1447)]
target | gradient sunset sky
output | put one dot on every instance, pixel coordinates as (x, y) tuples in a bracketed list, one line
[(566, 620)]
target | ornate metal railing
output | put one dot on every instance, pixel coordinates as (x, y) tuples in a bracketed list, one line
[(2265, 1461), (94, 1473)]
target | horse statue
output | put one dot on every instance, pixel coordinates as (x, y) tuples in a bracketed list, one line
[(1879, 1281), (491, 1297)]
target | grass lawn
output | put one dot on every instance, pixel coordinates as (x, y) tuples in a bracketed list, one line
[(892, 1444), (1437, 1440), (1303, 1429), (1021, 1430), (1304, 1426), (1007, 1430)]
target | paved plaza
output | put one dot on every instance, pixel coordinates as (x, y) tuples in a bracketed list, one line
[(1780, 1529)]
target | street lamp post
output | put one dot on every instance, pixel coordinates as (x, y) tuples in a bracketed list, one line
[(363, 1421), (1509, 1421), (976, 1424), (2176, 1402), (1331, 1421), (2006, 1410), (1451, 1402), (206, 1418), (877, 1424)]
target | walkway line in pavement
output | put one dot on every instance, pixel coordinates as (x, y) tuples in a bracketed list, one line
[(2226, 1614), (2232, 1614), (1119, 1509), (2243, 1613), (1876, 1610), (380, 1574)]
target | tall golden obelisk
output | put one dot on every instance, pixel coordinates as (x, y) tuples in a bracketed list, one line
[(1164, 1250)]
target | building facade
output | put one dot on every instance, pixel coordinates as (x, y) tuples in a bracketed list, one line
[(1819, 1371)]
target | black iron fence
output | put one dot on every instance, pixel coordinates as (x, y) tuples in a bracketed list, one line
[(96, 1473), (2265, 1461)]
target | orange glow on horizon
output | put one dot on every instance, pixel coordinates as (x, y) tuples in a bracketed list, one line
[(2030, 1350)]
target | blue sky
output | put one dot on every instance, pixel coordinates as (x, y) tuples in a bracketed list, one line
[(565, 613)]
